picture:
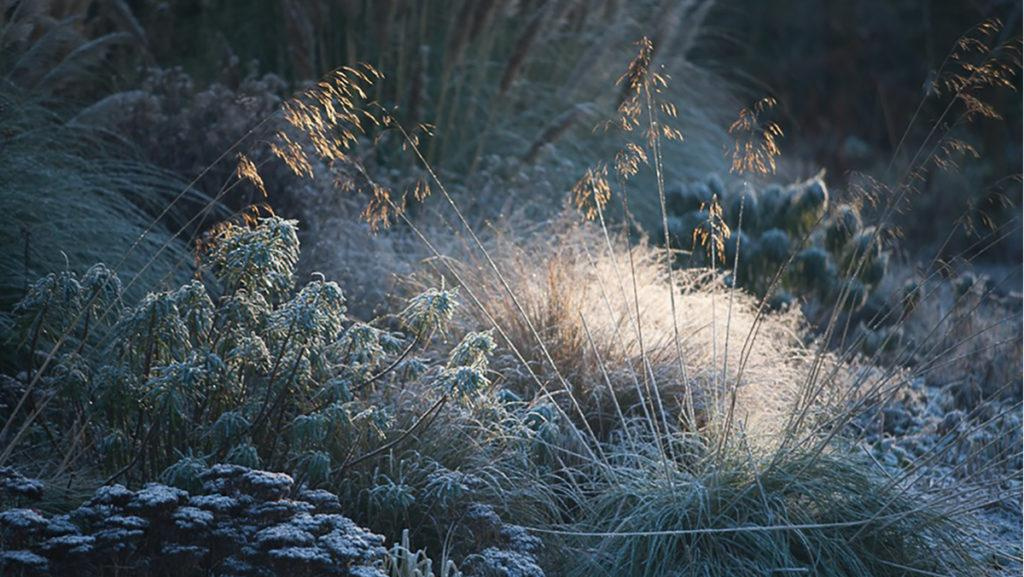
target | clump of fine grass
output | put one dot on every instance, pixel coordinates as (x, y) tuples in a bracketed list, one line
[(851, 495), (602, 312), (755, 515), (73, 196), (741, 505)]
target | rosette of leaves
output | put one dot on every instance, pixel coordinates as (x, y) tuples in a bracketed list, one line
[(239, 365)]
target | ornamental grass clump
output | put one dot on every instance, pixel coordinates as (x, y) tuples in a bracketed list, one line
[(74, 195), (747, 513)]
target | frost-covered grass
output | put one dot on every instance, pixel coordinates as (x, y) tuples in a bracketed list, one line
[(502, 475), (74, 194), (553, 398)]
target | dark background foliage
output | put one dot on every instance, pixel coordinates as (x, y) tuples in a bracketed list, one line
[(848, 76)]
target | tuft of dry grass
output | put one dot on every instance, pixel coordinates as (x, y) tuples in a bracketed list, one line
[(585, 302)]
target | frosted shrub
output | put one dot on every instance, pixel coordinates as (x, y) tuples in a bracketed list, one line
[(239, 367)]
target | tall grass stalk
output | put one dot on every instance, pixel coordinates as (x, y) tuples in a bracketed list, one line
[(670, 496)]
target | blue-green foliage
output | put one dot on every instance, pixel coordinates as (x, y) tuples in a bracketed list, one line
[(465, 376), (832, 257), (243, 368)]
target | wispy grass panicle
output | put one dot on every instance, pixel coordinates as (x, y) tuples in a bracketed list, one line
[(642, 84), (592, 192), (323, 125), (247, 170), (331, 115), (980, 60), (755, 139), (711, 235)]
